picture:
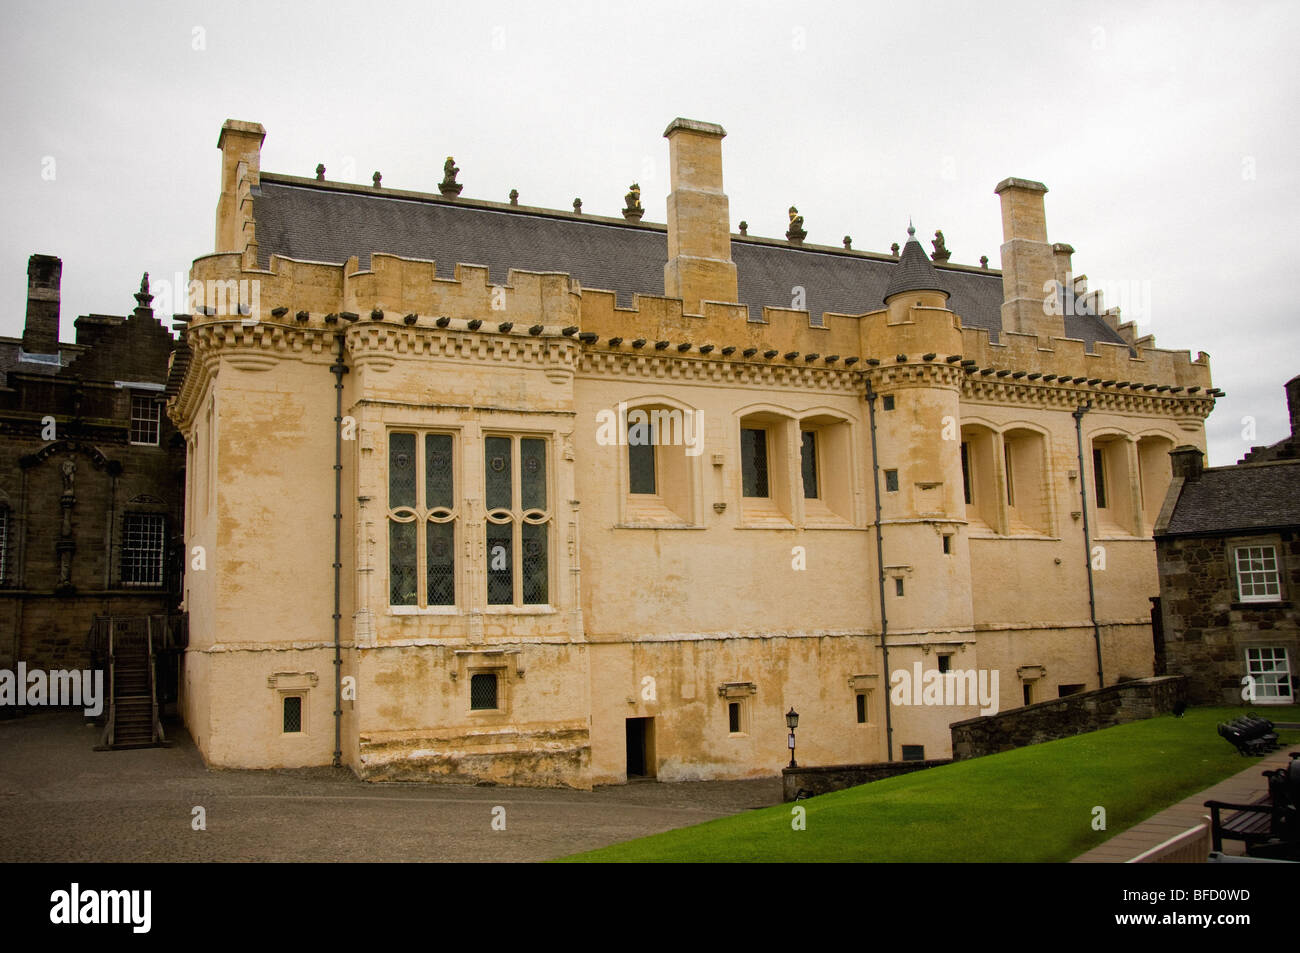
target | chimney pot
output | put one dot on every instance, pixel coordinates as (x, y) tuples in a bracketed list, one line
[(1187, 462), (1293, 404), (41, 330)]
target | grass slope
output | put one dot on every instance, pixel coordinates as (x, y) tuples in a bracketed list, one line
[(1031, 804)]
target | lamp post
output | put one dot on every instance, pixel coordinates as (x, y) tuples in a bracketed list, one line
[(792, 722)]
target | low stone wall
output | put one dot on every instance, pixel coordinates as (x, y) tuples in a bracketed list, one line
[(835, 777), (1064, 717)]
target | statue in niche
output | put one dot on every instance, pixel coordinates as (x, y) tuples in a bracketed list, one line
[(69, 469)]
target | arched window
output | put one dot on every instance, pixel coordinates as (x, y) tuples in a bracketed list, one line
[(1024, 459), (1112, 486), (979, 477), (1155, 474), (825, 468), (664, 444)]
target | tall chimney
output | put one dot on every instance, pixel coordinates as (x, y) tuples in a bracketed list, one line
[(1029, 262), (241, 160), (41, 331), (1293, 404), (1187, 462), (699, 264)]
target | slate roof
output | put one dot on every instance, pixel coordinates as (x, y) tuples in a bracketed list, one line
[(1234, 499), (301, 220)]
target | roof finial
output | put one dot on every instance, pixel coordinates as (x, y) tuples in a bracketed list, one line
[(142, 297), (911, 231)]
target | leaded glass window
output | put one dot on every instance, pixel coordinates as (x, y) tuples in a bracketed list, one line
[(753, 461), (292, 714), (498, 472), (422, 515), (483, 691), (808, 463), (641, 467), (517, 492)]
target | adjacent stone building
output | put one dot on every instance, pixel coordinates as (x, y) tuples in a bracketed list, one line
[(613, 496), (91, 476), (1228, 545)]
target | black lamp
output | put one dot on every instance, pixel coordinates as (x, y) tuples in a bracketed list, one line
[(792, 722)]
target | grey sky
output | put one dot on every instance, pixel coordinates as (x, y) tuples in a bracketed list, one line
[(1165, 133)]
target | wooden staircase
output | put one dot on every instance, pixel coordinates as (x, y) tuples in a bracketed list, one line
[(130, 646)]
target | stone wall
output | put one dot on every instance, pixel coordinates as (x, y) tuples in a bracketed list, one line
[(835, 777), (1064, 717), (1207, 629)]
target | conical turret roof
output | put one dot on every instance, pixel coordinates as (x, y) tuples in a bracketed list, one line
[(914, 272)]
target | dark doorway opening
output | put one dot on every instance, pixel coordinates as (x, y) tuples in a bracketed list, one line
[(640, 748)]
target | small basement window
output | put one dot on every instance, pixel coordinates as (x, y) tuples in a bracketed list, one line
[(898, 585), (913, 752), (1064, 690), (483, 691), (292, 714)]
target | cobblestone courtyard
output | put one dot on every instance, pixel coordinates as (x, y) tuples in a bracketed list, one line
[(62, 801)]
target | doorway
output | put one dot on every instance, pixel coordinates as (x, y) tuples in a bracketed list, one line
[(640, 748)]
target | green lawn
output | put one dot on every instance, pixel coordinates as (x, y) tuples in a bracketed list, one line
[(1031, 804)]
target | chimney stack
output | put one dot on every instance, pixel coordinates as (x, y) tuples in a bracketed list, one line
[(41, 331), (1029, 262), (241, 163), (1187, 462), (699, 264), (1293, 404)]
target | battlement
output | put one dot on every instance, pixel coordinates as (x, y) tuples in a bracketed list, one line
[(406, 289)]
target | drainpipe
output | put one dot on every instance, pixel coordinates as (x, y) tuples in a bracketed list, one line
[(1087, 538), (880, 566), (338, 369)]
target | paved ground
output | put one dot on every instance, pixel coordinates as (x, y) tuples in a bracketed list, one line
[(62, 801), (1242, 788)]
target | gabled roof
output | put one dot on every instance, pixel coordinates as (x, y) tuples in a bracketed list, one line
[(1242, 498), (327, 222)]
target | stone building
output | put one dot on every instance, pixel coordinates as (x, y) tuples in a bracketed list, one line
[(91, 476), (613, 496), (1228, 549)]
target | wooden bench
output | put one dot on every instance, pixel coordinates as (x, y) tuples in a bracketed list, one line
[(1252, 823), (1269, 826)]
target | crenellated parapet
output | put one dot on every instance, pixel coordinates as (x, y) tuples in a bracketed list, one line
[(1147, 366)]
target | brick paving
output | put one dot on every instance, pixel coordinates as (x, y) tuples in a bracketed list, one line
[(62, 801), (1242, 788)]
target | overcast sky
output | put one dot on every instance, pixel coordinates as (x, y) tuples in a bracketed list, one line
[(1166, 134)]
